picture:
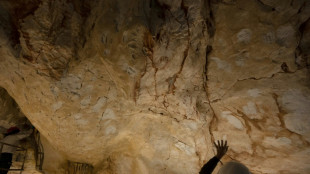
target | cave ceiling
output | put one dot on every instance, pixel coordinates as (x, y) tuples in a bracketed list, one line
[(146, 86)]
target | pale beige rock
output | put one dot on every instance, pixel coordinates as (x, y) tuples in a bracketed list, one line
[(146, 86)]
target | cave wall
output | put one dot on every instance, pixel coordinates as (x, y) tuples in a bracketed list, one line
[(10, 114), (146, 86)]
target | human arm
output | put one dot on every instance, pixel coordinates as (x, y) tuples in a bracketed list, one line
[(221, 148), (209, 166)]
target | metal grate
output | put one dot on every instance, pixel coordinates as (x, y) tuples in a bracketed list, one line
[(18, 149), (38, 149)]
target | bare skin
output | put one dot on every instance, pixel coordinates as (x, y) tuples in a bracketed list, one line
[(221, 148)]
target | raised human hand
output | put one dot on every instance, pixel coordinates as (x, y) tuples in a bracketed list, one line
[(221, 148)]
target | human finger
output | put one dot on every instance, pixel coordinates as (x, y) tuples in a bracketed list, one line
[(215, 144)]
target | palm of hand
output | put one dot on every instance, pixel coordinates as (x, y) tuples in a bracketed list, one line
[(221, 148)]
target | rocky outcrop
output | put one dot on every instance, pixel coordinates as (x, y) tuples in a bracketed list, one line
[(146, 86)]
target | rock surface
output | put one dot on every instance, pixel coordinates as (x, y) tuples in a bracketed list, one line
[(10, 114), (146, 86)]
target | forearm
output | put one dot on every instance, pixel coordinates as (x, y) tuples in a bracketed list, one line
[(209, 166)]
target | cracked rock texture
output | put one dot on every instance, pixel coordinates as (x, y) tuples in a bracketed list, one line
[(145, 86)]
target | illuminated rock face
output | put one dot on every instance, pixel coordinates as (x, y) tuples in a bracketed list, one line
[(146, 86)]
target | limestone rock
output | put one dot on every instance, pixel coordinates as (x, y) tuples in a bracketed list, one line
[(145, 86)]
